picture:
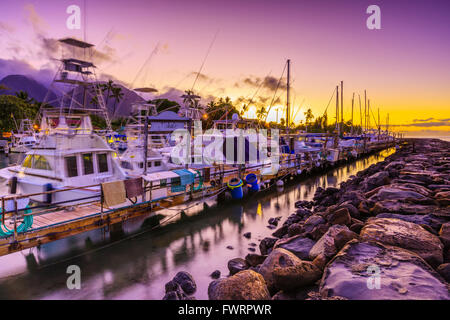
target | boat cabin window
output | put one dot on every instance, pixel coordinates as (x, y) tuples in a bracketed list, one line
[(157, 163), (102, 162), (36, 162), (27, 163), (73, 122), (88, 163), (141, 165), (39, 162), (149, 164), (126, 165), (71, 166)]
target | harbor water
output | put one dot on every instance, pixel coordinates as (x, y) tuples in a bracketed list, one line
[(132, 261)]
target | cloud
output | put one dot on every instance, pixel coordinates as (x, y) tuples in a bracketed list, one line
[(442, 123), (268, 82), (423, 120), (4, 27), (37, 22), (13, 66), (201, 76)]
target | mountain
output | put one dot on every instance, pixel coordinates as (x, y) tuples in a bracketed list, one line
[(37, 91), (15, 83)]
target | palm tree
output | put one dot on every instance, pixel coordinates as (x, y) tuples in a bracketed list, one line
[(308, 116), (23, 95), (108, 87), (260, 113), (117, 94)]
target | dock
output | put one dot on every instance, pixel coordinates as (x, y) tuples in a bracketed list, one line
[(51, 222)]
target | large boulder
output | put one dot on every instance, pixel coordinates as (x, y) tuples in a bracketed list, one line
[(298, 245), (244, 285), (290, 277), (397, 194), (405, 235), (277, 258), (429, 219), (378, 179), (374, 271), (325, 245), (340, 216)]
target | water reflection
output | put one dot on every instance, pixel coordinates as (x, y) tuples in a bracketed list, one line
[(138, 268)]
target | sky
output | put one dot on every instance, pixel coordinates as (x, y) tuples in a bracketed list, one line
[(240, 46)]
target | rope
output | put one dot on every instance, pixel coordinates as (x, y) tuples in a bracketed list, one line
[(24, 226)]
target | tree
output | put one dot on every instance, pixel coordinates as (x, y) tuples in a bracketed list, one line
[(165, 105), (108, 87), (117, 94), (13, 107)]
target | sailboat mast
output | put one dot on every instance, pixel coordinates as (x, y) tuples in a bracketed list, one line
[(353, 102), (288, 87), (337, 110), (342, 104), (365, 110)]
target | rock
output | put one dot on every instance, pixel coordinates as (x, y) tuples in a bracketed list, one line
[(403, 274), (245, 285), (444, 234), (280, 232), (276, 258), (320, 261), (340, 216), (295, 229), (248, 235), (237, 264), (266, 244), (444, 271), (186, 282), (318, 231), (251, 249), (312, 222), (344, 236), (394, 206), (172, 286), (252, 244), (356, 227), (172, 295), (215, 274), (405, 235), (289, 277), (325, 245), (389, 193), (254, 259), (230, 247), (378, 179), (274, 221), (429, 219), (298, 245)]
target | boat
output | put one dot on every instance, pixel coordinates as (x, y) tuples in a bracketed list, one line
[(68, 154)]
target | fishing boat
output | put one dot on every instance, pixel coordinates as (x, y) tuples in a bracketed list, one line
[(68, 153)]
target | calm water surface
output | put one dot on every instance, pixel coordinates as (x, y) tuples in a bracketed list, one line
[(118, 266)]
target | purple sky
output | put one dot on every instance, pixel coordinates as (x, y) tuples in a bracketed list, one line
[(404, 66)]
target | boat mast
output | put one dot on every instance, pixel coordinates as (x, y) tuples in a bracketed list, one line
[(288, 87), (342, 104), (353, 102), (365, 110), (337, 111)]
